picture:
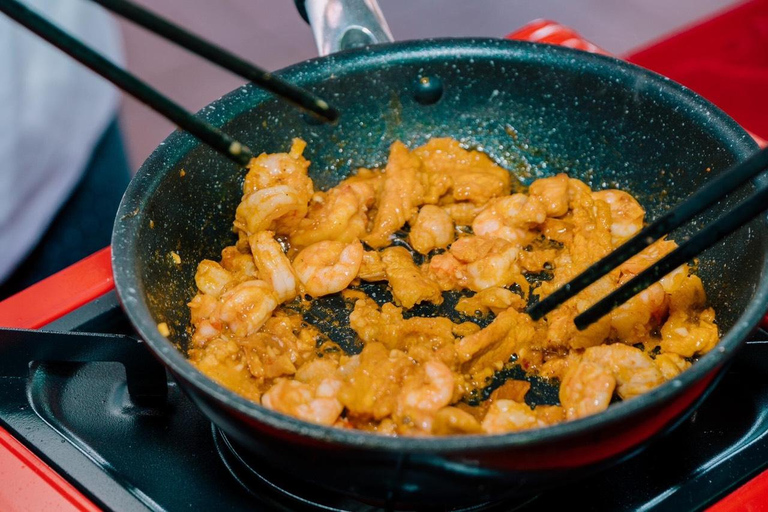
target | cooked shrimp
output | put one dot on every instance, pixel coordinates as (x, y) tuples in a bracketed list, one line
[(509, 416), (239, 263), (510, 218), (553, 194), (328, 267), (339, 214), (446, 271), (671, 365), (247, 306), (211, 278), (433, 229), (274, 266), (633, 370), (424, 393), (203, 309), (318, 405), (488, 262), (278, 208), (289, 169), (635, 320), (586, 389), (452, 420), (626, 213)]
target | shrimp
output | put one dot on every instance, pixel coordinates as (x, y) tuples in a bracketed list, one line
[(278, 208), (671, 365), (488, 262), (433, 229), (626, 214), (274, 266), (339, 214), (553, 194), (510, 218), (329, 266), (289, 169), (633, 370), (423, 393), (446, 271), (202, 309), (635, 319), (586, 389), (315, 404), (240, 264), (211, 278), (452, 420), (510, 416), (247, 306)]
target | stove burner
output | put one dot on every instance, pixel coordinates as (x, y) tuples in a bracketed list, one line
[(258, 478)]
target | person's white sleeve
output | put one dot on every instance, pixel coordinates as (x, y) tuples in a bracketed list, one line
[(52, 113)]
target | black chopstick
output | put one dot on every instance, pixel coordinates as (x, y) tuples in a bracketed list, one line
[(207, 133), (709, 194), (704, 239), (217, 55)]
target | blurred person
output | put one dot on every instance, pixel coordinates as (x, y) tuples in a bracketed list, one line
[(63, 167)]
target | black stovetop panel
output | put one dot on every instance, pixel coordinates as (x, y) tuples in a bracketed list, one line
[(80, 419)]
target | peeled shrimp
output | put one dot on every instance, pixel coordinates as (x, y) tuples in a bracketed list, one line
[(328, 267), (510, 218), (274, 266), (211, 278), (289, 169), (278, 208), (339, 214), (509, 416), (634, 371), (318, 405), (424, 393), (626, 213), (553, 194), (247, 306), (432, 229), (586, 389)]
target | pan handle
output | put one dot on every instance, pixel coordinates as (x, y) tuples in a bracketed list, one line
[(344, 24)]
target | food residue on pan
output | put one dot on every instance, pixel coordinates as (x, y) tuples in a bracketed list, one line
[(438, 226), (162, 327)]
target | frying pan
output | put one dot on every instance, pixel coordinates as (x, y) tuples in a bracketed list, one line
[(535, 109)]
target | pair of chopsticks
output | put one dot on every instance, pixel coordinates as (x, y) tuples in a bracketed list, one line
[(712, 233), (140, 90)]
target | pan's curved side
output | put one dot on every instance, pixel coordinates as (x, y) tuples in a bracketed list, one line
[(536, 110)]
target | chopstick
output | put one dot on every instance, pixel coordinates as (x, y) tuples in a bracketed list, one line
[(704, 239), (300, 97), (709, 194), (207, 133)]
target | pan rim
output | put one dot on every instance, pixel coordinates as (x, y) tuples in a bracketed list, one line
[(127, 224)]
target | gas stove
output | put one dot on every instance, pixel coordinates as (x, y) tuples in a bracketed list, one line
[(127, 452), (91, 421)]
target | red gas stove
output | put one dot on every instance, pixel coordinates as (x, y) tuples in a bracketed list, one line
[(74, 438)]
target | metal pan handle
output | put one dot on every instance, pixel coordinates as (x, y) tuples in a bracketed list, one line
[(344, 24)]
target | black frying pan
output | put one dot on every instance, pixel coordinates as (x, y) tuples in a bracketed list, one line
[(537, 110)]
